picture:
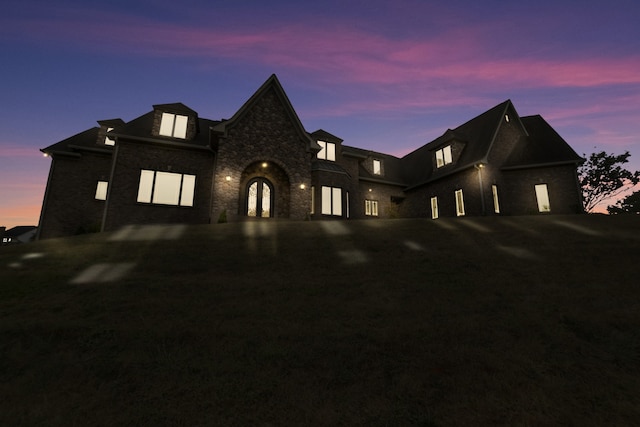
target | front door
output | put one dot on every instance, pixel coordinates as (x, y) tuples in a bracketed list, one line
[(259, 198)]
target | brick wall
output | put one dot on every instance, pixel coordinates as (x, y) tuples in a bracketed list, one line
[(70, 206), (265, 133)]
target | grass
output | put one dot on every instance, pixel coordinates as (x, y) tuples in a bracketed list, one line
[(517, 321)]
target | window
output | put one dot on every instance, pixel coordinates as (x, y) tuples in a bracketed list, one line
[(331, 201), (434, 208), (313, 200), (173, 125), (328, 151), (506, 118), (542, 195), (496, 205), (107, 140), (459, 203), (443, 156), (377, 167), (101, 190), (371, 207), (166, 188)]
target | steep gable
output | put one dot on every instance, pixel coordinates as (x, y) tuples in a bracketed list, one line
[(272, 85)]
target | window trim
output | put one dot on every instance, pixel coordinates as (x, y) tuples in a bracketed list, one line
[(331, 201), (147, 186), (371, 207), (327, 151), (496, 202), (459, 195), (434, 208), (444, 156), (101, 190), (377, 170), (173, 125), (542, 196)]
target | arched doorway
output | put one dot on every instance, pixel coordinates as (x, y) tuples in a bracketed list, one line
[(259, 200)]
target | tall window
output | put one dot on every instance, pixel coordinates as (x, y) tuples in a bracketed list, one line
[(173, 125), (101, 190), (443, 156), (496, 204), (459, 203), (377, 167), (542, 196), (371, 207), (331, 201), (313, 200), (166, 188), (107, 140), (434, 207), (328, 151)]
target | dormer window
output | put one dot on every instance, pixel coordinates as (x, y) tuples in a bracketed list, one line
[(328, 151), (377, 167), (174, 125), (107, 140), (443, 156)]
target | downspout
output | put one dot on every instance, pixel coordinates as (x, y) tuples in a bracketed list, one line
[(479, 168), (110, 185)]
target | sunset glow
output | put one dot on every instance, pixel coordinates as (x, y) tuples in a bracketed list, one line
[(385, 76)]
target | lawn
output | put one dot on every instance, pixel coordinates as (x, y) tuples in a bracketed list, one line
[(515, 321)]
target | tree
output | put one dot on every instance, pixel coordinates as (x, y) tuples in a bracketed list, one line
[(630, 204), (602, 177)]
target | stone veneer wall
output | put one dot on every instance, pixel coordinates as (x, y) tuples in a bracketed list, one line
[(266, 133)]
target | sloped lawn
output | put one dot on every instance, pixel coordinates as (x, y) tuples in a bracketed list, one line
[(516, 321)]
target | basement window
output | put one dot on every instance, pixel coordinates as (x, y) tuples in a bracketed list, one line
[(443, 156), (174, 125)]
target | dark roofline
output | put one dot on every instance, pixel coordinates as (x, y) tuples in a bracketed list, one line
[(165, 142), (543, 165)]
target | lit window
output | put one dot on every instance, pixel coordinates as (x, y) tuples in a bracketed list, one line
[(496, 205), (165, 188), (331, 201), (371, 207), (377, 169), (542, 196), (506, 118), (173, 125), (443, 156), (109, 141), (434, 208), (101, 190), (459, 203), (313, 200), (328, 151)]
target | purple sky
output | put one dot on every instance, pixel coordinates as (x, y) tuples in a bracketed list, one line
[(383, 75)]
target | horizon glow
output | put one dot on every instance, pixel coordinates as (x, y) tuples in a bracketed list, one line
[(389, 77)]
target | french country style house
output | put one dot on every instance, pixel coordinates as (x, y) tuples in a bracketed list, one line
[(172, 166)]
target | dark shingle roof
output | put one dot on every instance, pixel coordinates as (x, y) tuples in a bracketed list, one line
[(86, 139), (543, 146)]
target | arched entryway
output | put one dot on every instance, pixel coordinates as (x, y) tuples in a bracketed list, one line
[(264, 191), (259, 198)]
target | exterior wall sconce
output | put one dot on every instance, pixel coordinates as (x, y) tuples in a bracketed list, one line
[(45, 154), (227, 178), (302, 186), (265, 164), (370, 190)]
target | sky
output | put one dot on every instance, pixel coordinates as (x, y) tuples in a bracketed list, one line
[(389, 76)]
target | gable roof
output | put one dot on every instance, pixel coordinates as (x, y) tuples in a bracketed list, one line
[(542, 147), (71, 146), (272, 83)]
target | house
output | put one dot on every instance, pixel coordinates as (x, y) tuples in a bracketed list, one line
[(19, 234), (172, 166)]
